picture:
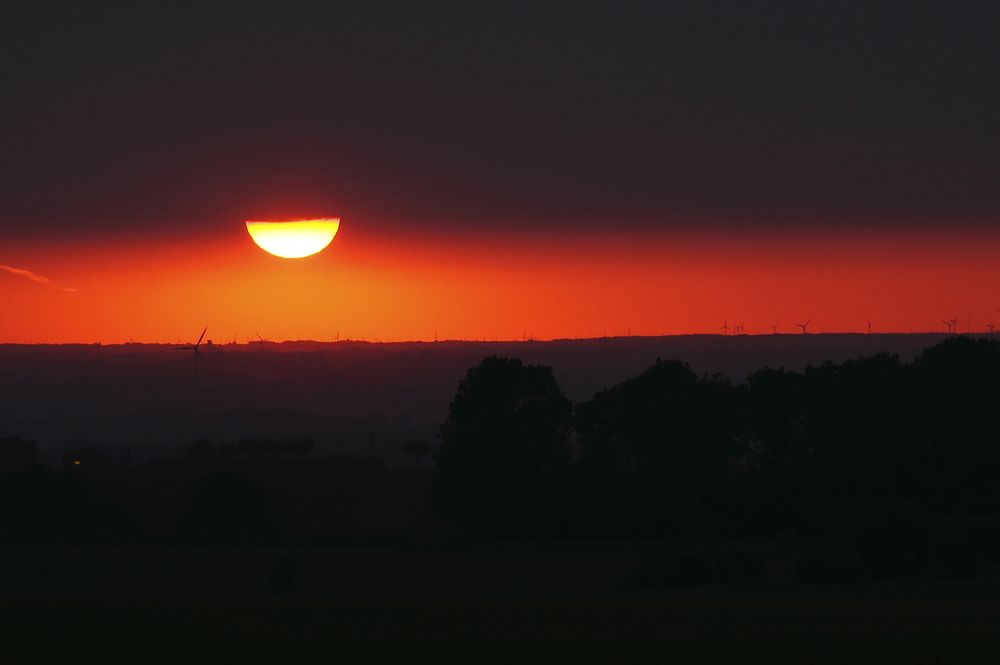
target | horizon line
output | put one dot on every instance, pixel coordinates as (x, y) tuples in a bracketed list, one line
[(529, 340)]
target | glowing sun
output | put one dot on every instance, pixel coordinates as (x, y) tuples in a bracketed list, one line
[(294, 239)]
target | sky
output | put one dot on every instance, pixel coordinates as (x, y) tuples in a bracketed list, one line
[(500, 169)]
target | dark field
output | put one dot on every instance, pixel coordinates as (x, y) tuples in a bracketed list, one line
[(532, 603)]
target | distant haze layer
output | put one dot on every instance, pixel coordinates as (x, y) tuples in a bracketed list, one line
[(347, 397)]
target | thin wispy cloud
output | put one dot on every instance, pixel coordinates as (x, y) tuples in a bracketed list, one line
[(27, 274)]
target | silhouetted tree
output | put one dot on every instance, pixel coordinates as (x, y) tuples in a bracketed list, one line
[(833, 435), (956, 423), (418, 449), (503, 447), (300, 447), (202, 449), (666, 454), (654, 452)]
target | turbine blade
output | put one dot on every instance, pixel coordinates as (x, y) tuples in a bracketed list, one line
[(202, 336), (200, 357)]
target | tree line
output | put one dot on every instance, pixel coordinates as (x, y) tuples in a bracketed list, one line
[(857, 451), (895, 461)]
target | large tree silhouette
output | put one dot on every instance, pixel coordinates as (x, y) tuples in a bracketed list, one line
[(503, 446), (654, 452)]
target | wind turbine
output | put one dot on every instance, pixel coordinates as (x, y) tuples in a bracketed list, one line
[(869, 327), (197, 352), (951, 323), (725, 327), (774, 328), (804, 326)]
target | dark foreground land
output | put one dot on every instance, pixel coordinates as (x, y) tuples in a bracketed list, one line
[(496, 604), (845, 513)]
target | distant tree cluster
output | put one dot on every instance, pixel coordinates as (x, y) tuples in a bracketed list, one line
[(202, 449), (17, 454), (39, 506), (851, 451)]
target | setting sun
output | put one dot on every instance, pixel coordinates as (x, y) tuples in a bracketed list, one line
[(294, 239)]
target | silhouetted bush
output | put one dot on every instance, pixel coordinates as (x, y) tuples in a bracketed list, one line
[(202, 449), (984, 536), (228, 510), (675, 570), (961, 544), (40, 507), (898, 541), (830, 569), (890, 536), (17, 454), (668, 571), (284, 575), (737, 566)]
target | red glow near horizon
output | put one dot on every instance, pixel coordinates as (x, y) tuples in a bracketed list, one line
[(394, 286)]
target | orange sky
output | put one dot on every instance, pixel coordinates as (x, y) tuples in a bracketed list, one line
[(408, 286)]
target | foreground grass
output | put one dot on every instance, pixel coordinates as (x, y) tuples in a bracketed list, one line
[(691, 628)]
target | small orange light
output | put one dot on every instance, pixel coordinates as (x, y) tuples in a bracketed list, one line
[(76, 462)]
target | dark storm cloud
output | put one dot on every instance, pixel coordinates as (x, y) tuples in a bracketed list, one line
[(728, 110)]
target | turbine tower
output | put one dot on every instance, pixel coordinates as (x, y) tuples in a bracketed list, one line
[(804, 326), (952, 324), (198, 358), (725, 327)]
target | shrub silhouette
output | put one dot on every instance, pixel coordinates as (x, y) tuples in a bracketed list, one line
[(830, 569), (418, 449), (201, 449), (40, 507), (674, 570), (284, 575), (17, 454), (228, 510)]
